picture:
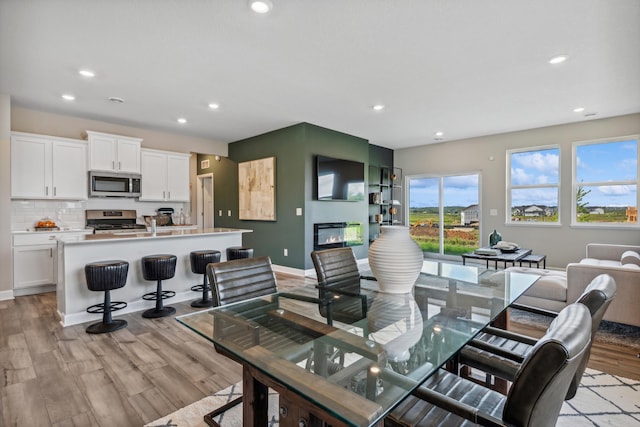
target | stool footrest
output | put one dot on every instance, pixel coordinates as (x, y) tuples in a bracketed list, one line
[(100, 308), (199, 288), (152, 295)]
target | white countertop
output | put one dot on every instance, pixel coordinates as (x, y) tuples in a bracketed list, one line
[(160, 234), (61, 230)]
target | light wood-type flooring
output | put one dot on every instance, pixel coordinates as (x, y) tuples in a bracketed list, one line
[(54, 376)]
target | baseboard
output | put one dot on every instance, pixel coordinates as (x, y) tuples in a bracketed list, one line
[(6, 295), (41, 289), (289, 270)]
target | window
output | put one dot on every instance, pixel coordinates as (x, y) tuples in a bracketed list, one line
[(605, 182), (533, 185), (444, 214)]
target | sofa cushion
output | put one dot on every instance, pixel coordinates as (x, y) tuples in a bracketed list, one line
[(552, 284), (630, 257), (601, 262)]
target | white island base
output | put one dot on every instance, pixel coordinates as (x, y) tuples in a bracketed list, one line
[(74, 297)]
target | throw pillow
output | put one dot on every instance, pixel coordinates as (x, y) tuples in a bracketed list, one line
[(630, 257)]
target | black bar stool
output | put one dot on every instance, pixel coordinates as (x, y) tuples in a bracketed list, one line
[(159, 268), (106, 276), (199, 261), (239, 252)]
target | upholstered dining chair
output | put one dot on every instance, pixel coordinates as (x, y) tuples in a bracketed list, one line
[(500, 353), (535, 398), (339, 282)]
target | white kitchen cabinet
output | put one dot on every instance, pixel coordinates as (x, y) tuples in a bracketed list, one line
[(35, 258), (113, 153), (47, 167), (165, 176)]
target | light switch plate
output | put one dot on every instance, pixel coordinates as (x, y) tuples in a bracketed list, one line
[(298, 211)]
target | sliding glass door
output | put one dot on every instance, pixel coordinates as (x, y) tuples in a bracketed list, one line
[(444, 213)]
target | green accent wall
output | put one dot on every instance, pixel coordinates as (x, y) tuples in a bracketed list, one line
[(294, 149)]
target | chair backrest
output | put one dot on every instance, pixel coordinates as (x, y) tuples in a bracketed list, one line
[(540, 385), (335, 266), (241, 279), (596, 297)]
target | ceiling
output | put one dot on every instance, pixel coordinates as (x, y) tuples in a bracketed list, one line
[(463, 67)]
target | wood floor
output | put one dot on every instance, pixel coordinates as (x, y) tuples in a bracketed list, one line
[(54, 376)]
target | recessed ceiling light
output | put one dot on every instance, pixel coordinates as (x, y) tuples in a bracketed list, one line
[(68, 97), (578, 110), (182, 120), (214, 106), (116, 100), (439, 133), (558, 59), (378, 107), (87, 73), (260, 6)]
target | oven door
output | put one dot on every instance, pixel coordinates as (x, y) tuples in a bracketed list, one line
[(104, 184)]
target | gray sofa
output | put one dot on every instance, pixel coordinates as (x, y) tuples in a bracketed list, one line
[(556, 289)]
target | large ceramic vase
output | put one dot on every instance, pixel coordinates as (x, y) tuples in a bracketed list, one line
[(395, 259)]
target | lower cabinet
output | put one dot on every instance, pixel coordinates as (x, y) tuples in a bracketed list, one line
[(35, 259), (34, 265)]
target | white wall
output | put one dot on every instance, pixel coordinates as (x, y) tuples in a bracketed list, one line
[(562, 244), (25, 120), (5, 197)]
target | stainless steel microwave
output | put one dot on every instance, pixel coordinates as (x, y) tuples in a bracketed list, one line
[(108, 184)]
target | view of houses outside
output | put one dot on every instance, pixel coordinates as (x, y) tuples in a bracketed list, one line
[(444, 215)]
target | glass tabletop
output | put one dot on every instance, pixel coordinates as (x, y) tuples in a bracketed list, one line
[(364, 353)]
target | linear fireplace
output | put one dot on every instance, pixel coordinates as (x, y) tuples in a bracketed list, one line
[(327, 235)]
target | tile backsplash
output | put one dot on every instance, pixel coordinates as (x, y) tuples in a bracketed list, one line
[(26, 213)]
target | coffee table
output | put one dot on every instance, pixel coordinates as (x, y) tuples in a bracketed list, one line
[(505, 257)]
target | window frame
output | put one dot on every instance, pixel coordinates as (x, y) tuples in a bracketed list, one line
[(574, 176), (510, 187)]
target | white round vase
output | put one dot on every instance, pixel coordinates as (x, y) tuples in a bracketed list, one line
[(395, 259)]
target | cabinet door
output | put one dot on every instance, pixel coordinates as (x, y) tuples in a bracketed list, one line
[(102, 153), (30, 167), (34, 265), (177, 178), (128, 156), (154, 176), (69, 168)]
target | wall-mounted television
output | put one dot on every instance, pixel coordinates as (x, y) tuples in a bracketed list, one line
[(339, 179)]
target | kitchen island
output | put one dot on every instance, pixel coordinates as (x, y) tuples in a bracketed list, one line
[(74, 297)]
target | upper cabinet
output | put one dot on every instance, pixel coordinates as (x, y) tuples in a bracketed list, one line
[(113, 153), (165, 176), (48, 167)]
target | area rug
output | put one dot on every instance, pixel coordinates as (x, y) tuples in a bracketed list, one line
[(602, 400)]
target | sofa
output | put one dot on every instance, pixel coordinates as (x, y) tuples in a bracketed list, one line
[(556, 289)]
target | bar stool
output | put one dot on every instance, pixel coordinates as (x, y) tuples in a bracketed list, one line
[(239, 252), (199, 261), (106, 276), (159, 268)]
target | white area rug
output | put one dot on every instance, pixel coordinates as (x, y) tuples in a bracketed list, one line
[(602, 400)]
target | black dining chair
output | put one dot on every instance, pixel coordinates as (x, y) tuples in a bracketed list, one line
[(499, 353), (534, 399), (248, 279), (339, 284)]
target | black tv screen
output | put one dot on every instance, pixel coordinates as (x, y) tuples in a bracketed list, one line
[(339, 179)]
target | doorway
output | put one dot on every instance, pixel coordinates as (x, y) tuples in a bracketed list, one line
[(205, 201)]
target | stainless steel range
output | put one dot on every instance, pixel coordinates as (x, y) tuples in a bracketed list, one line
[(112, 221)]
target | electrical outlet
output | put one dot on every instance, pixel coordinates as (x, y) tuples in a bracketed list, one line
[(229, 212), (298, 211), (220, 212), (286, 252)]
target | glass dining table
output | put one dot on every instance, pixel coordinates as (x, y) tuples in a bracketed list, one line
[(352, 372)]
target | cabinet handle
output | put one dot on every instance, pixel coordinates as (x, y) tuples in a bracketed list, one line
[(168, 195), (119, 165), (50, 252), (164, 195), (55, 191), (46, 190), (113, 164)]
